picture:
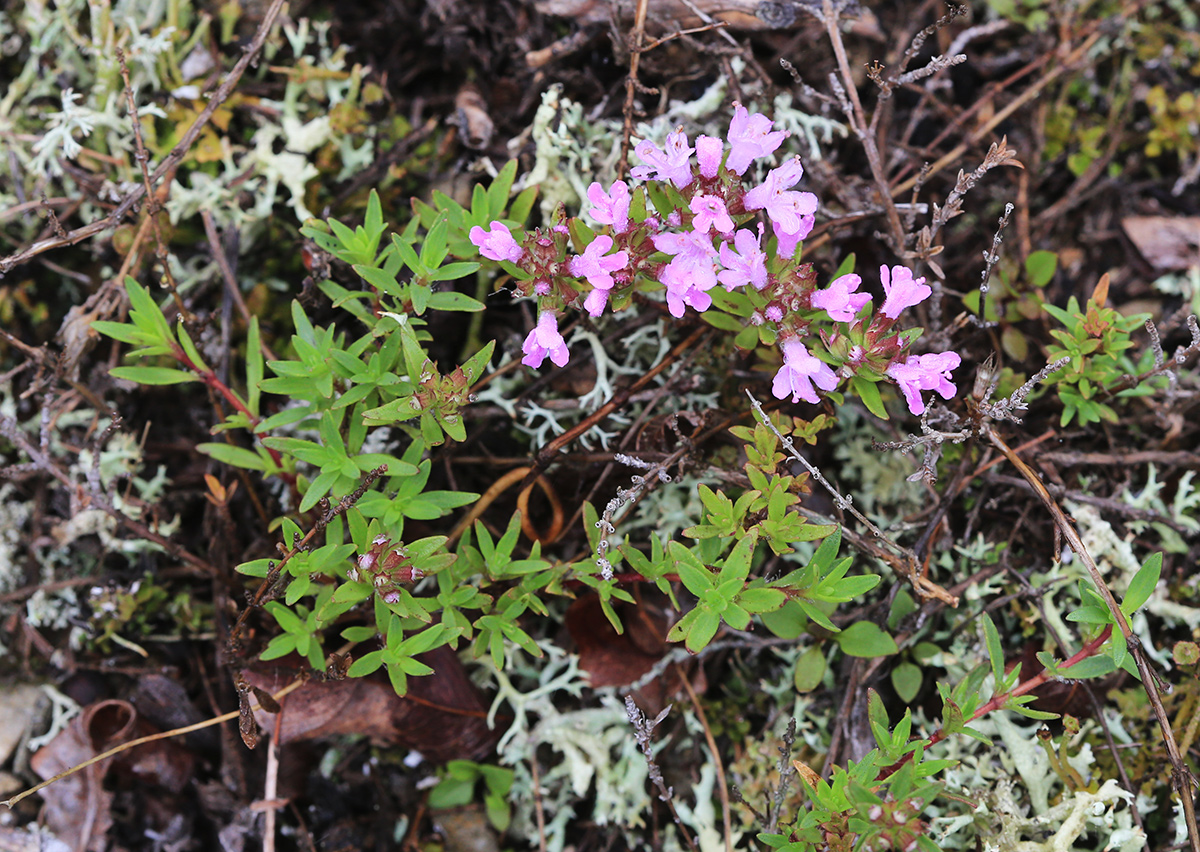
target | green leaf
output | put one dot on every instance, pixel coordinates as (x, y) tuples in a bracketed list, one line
[(280, 646), (453, 301), (692, 572), (816, 614), (124, 332), (255, 567), (366, 664), (1040, 267), (351, 593), (497, 193), (880, 723), (737, 564), (866, 639), (810, 670), (827, 552), (1029, 712), (1120, 650), (704, 628), (868, 392), (234, 455), (787, 622), (152, 375), (760, 600), (995, 650), (1090, 615), (906, 680), (1143, 583)]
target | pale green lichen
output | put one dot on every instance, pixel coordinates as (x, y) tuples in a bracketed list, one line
[(877, 479), (1114, 554), (1182, 510)]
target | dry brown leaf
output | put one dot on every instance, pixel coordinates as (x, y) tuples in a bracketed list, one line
[(443, 716), (77, 806), (619, 659), (1167, 242)]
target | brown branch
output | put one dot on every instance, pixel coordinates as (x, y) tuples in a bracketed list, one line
[(547, 453), (862, 128), (10, 429), (169, 163)]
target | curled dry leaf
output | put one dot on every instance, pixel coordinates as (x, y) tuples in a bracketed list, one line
[(475, 126), (77, 806)]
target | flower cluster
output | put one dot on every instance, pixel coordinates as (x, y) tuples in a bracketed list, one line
[(386, 566), (697, 228)]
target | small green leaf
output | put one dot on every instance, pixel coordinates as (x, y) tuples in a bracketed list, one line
[(906, 680), (704, 628), (995, 650), (1030, 713), (866, 639), (868, 392), (810, 670), (350, 593), (816, 614), (1040, 267), (881, 725), (366, 664), (1120, 650), (1143, 583), (1090, 615), (152, 375), (1097, 666), (234, 455), (787, 622)]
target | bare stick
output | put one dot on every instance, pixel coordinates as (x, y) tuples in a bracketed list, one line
[(643, 730), (858, 120)]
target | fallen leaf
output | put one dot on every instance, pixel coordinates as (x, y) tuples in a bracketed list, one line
[(619, 659), (1167, 242), (443, 716)]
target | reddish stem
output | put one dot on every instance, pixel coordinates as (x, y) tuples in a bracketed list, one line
[(210, 378), (997, 701)]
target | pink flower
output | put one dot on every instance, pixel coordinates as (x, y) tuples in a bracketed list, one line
[(595, 265), (800, 371), (596, 300), (774, 313), (750, 137), (925, 372), (708, 153), (747, 265), (673, 165), (611, 208), (710, 211), (902, 290), (597, 268), (786, 247), (690, 273), (786, 208), (497, 243), (839, 300), (545, 340)]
